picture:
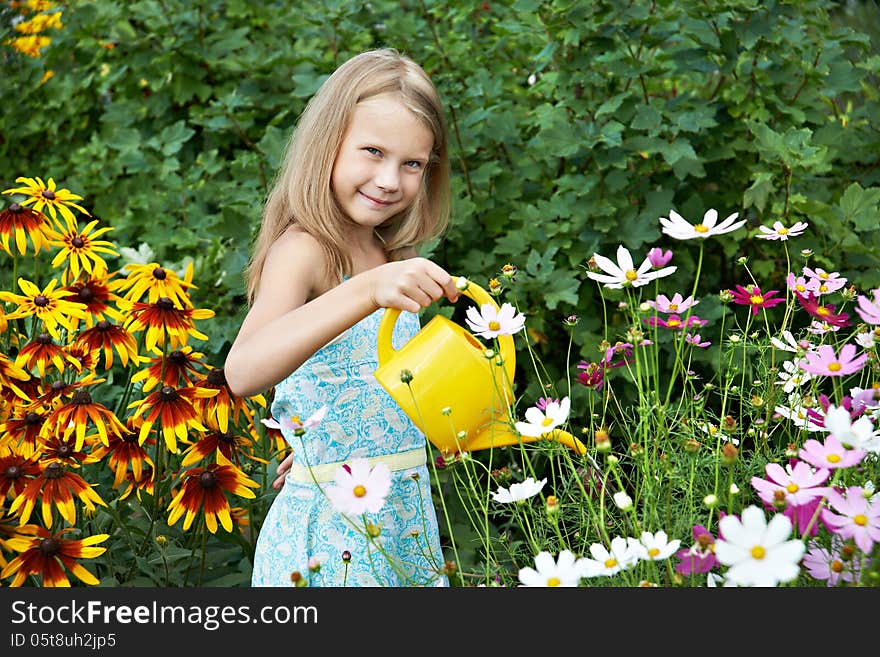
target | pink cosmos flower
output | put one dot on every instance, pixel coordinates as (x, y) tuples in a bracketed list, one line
[(870, 310), (696, 340), (658, 257), (677, 304), (675, 322), (799, 487), (592, 376), (752, 296), (857, 517), (825, 362), (700, 557), (294, 425), (800, 284), (822, 563), (831, 455), (826, 282)]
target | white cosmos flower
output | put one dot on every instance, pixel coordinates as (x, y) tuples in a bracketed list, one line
[(519, 492), (622, 500), (780, 232), (678, 227), (293, 424), (360, 488), (490, 322), (757, 552), (789, 343), (539, 422), (796, 411), (792, 378), (654, 547), (852, 435), (607, 562), (624, 272), (865, 340), (548, 571)]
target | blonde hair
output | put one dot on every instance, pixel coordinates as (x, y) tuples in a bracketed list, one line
[(301, 194)]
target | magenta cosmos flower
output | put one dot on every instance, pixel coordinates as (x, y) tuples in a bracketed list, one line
[(658, 257), (824, 313), (857, 517), (825, 362), (752, 296), (830, 455), (799, 488), (700, 557)]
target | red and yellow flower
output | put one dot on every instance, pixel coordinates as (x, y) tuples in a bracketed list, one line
[(203, 488), (20, 222), (233, 446), (75, 414), (106, 336), (13, 378), (15, 473), (95, 294), (22, 429), (46, 554), (42, 352), (55, 485), (217, 409), (180, 367), (164, 319), (126, 453), (174, 410)]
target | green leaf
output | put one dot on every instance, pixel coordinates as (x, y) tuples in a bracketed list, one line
[(860, 207)]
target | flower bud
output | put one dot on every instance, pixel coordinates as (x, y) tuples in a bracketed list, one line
[(462, 283), (611, 459), (779, 501), (645, 307), (552, 505), (488, 354), (710, 500), (508, 271), (373, 530), (161, 540), (314, 564), (346, 556), (494, 286), (446, 410), (406, 376), (742, 260), (692, 446), (571, 320), (602, 440), (726, 296), (728, 454), (734, 489), (623, 501)]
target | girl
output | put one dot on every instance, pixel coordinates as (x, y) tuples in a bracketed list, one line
[(365, 180)]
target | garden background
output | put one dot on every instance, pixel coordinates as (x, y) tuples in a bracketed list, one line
[(574, 126)]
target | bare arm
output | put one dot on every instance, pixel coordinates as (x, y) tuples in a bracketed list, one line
[(283, 328)]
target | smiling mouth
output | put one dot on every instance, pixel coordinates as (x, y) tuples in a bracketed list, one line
[(375, 201)]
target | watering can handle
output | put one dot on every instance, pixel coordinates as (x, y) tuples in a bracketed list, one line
[(474, 291)]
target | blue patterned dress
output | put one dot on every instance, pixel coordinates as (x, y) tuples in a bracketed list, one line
[(362, 421)]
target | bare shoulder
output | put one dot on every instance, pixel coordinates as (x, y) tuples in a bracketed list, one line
[(293, 273)]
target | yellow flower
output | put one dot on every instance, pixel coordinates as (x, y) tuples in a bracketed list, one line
[(42, 194), (29, 45), (40, 23), (80, 248), (157, 282), (49, 305)]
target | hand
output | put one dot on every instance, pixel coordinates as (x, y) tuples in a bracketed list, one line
[(411, 285), (281, 471)]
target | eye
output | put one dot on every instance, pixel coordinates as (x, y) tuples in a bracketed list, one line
[(372, 151), (413, 164)]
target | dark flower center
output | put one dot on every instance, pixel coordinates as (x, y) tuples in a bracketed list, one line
[(43, 338), (177, 357), (58, 386), (86, 294), (226, 437), (81, 397), (41, 300), (103, 325), (32, 418), (165, 303), (207, 480), (64, 451), (78, 242), (216, 377), (159, 274), (16, 208), (49, 547), (53, 471), (130, 437), (167, 393), (13, 472), (48, 194)]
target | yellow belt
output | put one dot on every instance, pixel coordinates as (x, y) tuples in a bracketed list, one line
[(324, 472)]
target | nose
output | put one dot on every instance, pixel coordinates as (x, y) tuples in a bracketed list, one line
[(387, 177)]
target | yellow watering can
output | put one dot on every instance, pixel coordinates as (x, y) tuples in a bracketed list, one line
[(451, 373)]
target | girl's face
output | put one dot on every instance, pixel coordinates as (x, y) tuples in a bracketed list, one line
[(379, 167)]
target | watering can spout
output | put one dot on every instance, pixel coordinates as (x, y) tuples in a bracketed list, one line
[(450, 378)]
